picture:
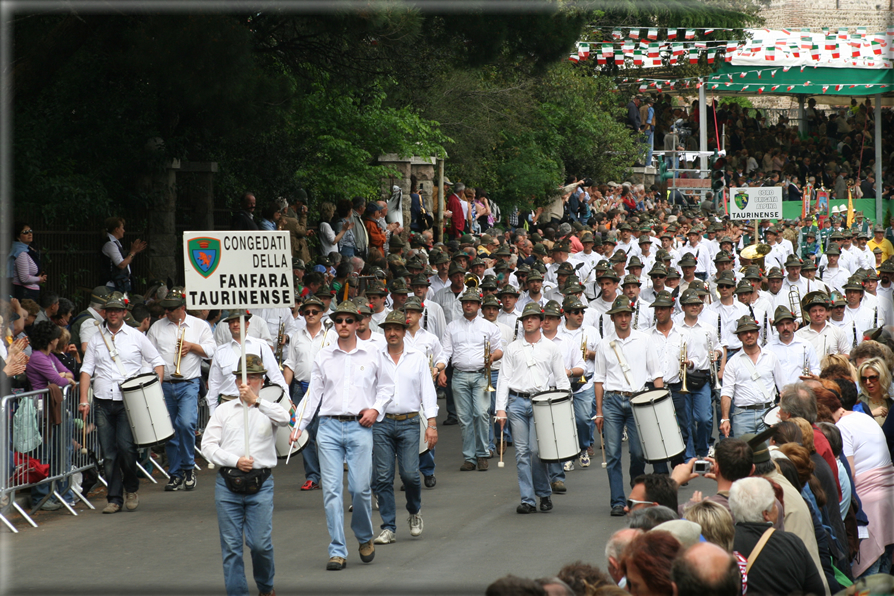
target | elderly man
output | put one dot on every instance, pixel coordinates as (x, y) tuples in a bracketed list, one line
[(705, 568)]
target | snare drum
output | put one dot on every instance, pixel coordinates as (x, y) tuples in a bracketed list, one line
[(771, 417), (272, 393), (144, 402), (656, 423), (555, 426)]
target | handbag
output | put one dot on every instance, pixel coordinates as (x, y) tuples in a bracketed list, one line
[(25, 430), (244, 483)]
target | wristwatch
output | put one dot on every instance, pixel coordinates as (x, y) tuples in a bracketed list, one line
[(722, 420)]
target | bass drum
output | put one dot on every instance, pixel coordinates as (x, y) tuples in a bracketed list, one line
[(144, 402), (771, 417), (656, 423), (555, 426)]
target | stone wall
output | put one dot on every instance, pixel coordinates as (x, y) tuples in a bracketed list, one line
[(876, 15)]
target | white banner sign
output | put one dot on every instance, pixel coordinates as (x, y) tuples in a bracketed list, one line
[(227, 270), (760, 202)]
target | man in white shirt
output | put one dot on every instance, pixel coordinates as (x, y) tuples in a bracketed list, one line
[(244, 517), (352, 386), (861, 315), (626, 242), (304, 345), (833, 274), (490, 310), (397, 435), (587, 257), (746, 294), (750, 381), (534, 291), (509, 314), (822, 335), (794, 353), (183, 372), (615, 382), (377, 293), (113, 355), (657, 279), (257, 330), (704, 266), (642, 313), (530, 362), (433, 319), (584, 339), (448, 297), (723, 314), (793, 285), (83, 325), (464, 346), (608, 284), (365, 325)]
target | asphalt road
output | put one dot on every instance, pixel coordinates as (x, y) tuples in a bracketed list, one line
[(170, 545)]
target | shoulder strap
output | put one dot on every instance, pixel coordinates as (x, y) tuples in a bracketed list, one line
[(758, 548)]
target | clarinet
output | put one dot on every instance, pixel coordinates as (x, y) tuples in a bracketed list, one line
[(854, 324), (764, 339), (425, 320), (875, 318), (636, 316), (515, 336), (601, 336), (719, 328)]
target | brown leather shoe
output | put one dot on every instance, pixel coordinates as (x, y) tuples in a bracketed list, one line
[(367, 551), (336, 564), (482, 464), (467, 466), (270, 593)]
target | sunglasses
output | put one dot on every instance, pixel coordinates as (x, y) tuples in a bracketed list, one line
[(171, 308), (27, 231), (631, 503), (869, 379), (312, 313), (575, 311), (344, 321), (659, 277)]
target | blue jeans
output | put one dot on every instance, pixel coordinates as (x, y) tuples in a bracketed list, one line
[(337, 442), (396, 438), (118, 451), (309, 453), (427, 462), (617, 412), (533, 477), (182, 401), (448, 390), (697, 412), (471, 408), (584, 402), (251, 517), (493, 431), (57, 452), (745, 421)]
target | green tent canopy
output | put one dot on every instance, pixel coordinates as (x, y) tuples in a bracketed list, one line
[(809, 80)]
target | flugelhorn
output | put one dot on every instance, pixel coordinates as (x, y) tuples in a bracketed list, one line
[(490, 387), (583, 350), (177, 374), (683, 388), (794, 302)]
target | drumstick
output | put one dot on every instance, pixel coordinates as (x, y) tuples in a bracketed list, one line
[(297, 424), (501, 464)]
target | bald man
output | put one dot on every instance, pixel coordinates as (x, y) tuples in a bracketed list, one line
[(705, 568)]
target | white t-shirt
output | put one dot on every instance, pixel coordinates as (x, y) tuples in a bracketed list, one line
[(862, 437)]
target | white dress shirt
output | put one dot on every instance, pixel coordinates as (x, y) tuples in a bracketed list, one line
[(413, 385), (831, 340), (528, 367), (257, 327), (304, 347), (433, 319), (379, 317), (437, 284), (510, 319), (576, 337), (698, 338), (836, 278), (744, 386), (862, 318), (525, 298), (599, 321), (669, 347), (643, 315), (506, 334), (164, 335), (228, 357), (346, 383), (464, 342), (133, 347), (427, 343), (571, 355), (376, 338), (729, 315), (791, 359), (224, 439), (450, 304), (88, 327), (782, 298), (637, 350)]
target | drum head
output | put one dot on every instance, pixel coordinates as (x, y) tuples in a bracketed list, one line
[(771, 416), (139, 381), (649, 397), (550, 397), (272, 393)]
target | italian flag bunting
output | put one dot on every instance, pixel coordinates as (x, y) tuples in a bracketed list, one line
[(638, 58), (583, 51), (876, 48), (608, 49), (617, 34), (634, 34), (653, 50), (815, 52), (693, 56), (770, 54), (619, 59), (831, 44), (836, 52), (672, 34), (652, 34), (690, 34), (574, 58)]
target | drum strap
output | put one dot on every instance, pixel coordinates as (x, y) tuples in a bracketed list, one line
[(113, 351), (755, 376), (619, 353)]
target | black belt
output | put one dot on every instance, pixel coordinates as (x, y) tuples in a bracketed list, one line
[(520, 394), (399, 417), (623, 393), (756, 407), (344, 418), (178, 380), (480, 371)]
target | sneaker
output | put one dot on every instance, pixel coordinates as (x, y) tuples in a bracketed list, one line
[(467, 466), (546, 504), (430, 481), (590, 451), (584, 460), (367, 551), (525, 508), (482, 464), (189, 483), (618, 511), (569, 466), (711, 451), (112, 508), (310, 485), (624, 434), (558, 487), (175, 483), (336, 564), (51, 506), (415, 521), (386, 537), (131, 501)]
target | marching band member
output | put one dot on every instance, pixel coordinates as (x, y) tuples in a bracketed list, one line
[(833, 274), (464, 345), (397, 434), (115, 354), (245, 517), (509, 314), (432, 319), (862, 317), (746, 294), (722, 314), (183, 373), (228, 356), (365, 324), (259, 330), (352, 386), (642, 313), (615, 382), (792, 281), (529, 363), (750, 380), (794, 353), (534, 291), (448, 296), (489, 310), (657, 279), (822, 335), (584, 338), (304, 345)]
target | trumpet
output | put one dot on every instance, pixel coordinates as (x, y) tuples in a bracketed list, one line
[(583, 350), (683, 388), (177, 374), (805, 370), (715, 375), (794, 303), (490, 387), (279, 340)]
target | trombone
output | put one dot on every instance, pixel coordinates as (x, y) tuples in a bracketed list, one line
[(490, 387), (683, 388), (794, 303), (177, 374)]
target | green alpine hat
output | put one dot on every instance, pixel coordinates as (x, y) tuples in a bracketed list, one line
[(631, 279), (753, 272), (775, 273), (621, 304), (783, 314), (793, 261), (116, 300), (854, 283), (744, 287), (687, 261), (437, 257), (565, 268), (690, 297), (508, 289), (552, 309), (658, 270), (608, 274), (236, 313), (100, 294), (312, 301), (833, 249), (376, 288), (572, 287), (491, 300), (396, 317), (175, 298), (470, 295), (454, 269), (618, 257), (634, 262), (351, 307), (572, 303), (726, 278), (420, 280), (663, 298), (532, 308), (399, 286), (722, 257), (254, 365), (672, 273), (746, 323), (534, 276), (414, 303)]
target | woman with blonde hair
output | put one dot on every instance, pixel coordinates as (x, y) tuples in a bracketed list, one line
[(875, 380), (830, 360), (716, 522)]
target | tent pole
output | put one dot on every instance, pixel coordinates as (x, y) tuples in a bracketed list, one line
[(702, 131), (878, 161)]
